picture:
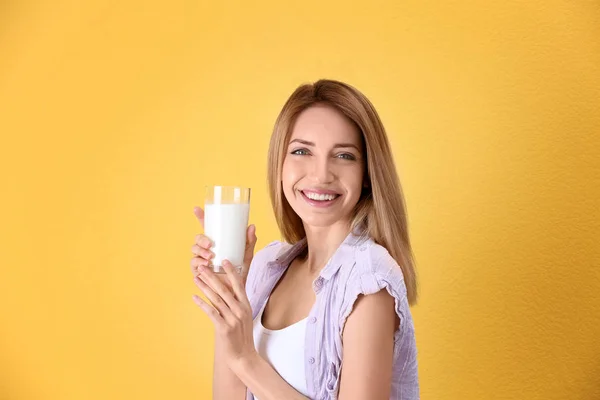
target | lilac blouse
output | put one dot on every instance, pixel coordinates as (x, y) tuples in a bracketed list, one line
[(358, 266)]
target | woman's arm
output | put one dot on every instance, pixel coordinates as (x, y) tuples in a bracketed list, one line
[(231, 315), (226, 385), (368, 340)]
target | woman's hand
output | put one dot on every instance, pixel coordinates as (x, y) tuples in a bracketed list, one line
[(203, 254), (230, 312)]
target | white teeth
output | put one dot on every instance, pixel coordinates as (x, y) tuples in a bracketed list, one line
[(319, 197)]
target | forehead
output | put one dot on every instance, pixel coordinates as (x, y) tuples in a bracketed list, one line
[(325, 124)]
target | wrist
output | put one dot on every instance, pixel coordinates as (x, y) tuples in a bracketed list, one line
[(243, 364)]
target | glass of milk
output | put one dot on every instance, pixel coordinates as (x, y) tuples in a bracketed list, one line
[(226, 210)]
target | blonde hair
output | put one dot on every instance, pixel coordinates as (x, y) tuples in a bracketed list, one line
[(381, 210)]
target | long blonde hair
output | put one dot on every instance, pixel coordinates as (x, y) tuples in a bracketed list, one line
[(381, 210)]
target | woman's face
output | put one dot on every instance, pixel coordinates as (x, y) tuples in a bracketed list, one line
[(323, 168)]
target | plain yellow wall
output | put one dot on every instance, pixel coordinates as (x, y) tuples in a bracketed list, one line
[(114, 115)]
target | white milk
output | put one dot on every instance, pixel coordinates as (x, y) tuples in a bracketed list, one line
[(225, 225)]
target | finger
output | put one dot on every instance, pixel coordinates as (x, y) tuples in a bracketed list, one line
[(250, 244), (197, 270), (199, 213), (202, 252), (223, 295), (204, 241), (217, 302), (236, 282), (198, 262), (208, 310)]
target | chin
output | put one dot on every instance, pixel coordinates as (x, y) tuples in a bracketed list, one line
[(319, 221)]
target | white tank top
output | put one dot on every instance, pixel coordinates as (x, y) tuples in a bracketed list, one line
[(283, 349)]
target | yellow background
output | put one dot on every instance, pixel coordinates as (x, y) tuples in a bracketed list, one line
[(114, 115)]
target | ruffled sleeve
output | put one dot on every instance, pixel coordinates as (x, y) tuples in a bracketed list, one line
[(376, 270)]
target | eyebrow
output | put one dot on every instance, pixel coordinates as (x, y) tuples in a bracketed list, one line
[(336, 146)]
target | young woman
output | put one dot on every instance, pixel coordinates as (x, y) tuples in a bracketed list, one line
[(325, 313)]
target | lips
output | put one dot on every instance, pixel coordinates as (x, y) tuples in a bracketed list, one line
[(320, 198)]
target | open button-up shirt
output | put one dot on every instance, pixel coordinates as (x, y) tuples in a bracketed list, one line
[(358, 266)]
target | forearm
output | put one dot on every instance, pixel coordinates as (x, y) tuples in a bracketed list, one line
[(263, 381), (226, 385)]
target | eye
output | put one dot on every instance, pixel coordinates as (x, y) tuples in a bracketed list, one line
[(300, 152), (346, 156)]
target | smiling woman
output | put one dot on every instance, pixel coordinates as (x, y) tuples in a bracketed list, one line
[(336, 292)]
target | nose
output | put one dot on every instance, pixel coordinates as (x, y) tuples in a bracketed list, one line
[(322, 170)]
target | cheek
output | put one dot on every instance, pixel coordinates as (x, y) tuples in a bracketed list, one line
[(285, 174), (357, 181), (289, 174), (287, 181)]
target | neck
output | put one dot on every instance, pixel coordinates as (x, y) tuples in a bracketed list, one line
[(323, 242)]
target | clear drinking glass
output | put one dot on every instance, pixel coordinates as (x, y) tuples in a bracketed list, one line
[(226, 210)]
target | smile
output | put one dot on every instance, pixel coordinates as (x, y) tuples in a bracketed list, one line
[(319, 199)]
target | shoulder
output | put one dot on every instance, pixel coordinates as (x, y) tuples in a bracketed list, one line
[(373, 271), (271, 252), (374, 325), (375, 268)]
